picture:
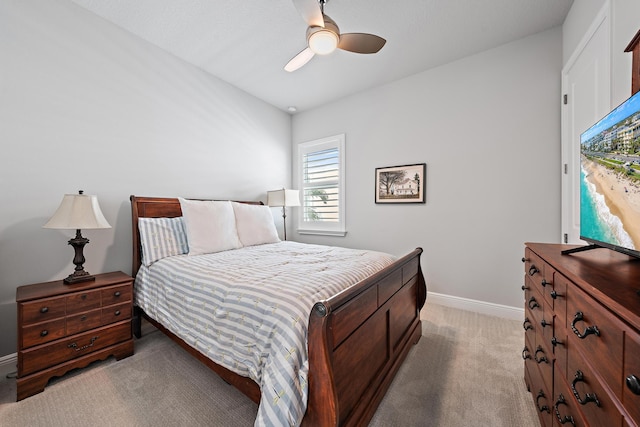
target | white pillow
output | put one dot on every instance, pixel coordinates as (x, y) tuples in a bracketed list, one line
[(210, 225), (255, 224)]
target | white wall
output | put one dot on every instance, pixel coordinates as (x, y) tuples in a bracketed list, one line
[(488, 127), (86, 105)]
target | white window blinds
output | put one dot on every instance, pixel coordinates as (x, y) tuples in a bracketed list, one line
[(322, 185)]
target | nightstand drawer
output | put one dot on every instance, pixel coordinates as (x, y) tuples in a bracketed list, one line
[(115, 313), (116, 294), (41, 333), (44, 356), (83, 322), (42, 310), (83, 301)]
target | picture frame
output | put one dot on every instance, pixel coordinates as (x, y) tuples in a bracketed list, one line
[(401, 184)]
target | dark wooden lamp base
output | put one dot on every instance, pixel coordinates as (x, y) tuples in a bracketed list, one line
[(79, 275)]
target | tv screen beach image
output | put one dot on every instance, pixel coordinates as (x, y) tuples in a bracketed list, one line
[(610, 178)]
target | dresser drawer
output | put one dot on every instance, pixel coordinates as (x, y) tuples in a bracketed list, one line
[(42, 310), (116, 312), (116, 294), (41, 333), (83, 301), (54, 353), (83, 321), (631, 373), (587, 389), (597, 335)]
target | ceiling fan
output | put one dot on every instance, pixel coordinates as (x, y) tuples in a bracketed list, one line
[(323, 35)]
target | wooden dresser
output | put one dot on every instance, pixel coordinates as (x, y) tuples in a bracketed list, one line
[(62, 327), (582, 336)]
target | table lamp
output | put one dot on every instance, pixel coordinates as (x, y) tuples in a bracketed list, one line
[(284, 198), (78, 211)]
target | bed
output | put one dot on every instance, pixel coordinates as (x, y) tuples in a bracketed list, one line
[(356, 338)]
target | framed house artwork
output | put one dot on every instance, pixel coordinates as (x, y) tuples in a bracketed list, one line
[(401, 184)]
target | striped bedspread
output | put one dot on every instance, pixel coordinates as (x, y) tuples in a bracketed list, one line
[(248, 310)]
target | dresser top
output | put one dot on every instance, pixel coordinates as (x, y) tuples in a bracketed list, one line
[(610, 277), (58, 287)]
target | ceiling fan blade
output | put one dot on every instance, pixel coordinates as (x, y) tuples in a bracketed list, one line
[(299, 60), (310, 11), (361, 42)]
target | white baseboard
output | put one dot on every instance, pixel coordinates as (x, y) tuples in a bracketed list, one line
[(8, 364), (499, 310)]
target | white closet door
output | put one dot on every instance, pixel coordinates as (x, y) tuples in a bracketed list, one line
[(586, 91)]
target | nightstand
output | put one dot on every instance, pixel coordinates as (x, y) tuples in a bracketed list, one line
[(63, 327)]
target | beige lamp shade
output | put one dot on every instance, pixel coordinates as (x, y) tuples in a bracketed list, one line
[(78, 211), (283, 198)]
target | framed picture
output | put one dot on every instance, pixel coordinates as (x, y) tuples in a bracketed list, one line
[(401, 184)]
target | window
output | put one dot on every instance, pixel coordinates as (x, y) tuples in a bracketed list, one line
[(321, 182)]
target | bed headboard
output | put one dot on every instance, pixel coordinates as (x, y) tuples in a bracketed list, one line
[(153, 207)]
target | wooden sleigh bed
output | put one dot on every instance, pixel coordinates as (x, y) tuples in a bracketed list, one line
[(357, 339)]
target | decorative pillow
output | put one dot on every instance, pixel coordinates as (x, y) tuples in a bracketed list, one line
[(210, 226), (161, 238), (255, 224)]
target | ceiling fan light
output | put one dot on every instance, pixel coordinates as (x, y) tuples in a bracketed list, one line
[(323, 42)]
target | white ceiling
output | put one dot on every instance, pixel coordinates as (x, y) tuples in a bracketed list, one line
[(247, 42)]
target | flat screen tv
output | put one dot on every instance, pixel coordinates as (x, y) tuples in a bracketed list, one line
[(610, 180)]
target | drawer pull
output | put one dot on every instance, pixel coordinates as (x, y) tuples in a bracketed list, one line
[(524, 288), (634, 384), (543, 408), (83, 296), (533, 270), (533, 303), (525, 353), (590, 329), (117, 313), (83, 318), (44, 310), (84, 347), (554, 294), (544, 323), (544, 283), (555, 342), (588, 397), (44, 333), (566, 418), (526, 325), (543, 358), (116, 294)]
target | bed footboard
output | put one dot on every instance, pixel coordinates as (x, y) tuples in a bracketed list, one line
[(357, 341)]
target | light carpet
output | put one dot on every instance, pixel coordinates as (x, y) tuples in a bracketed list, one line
[(466, 370)]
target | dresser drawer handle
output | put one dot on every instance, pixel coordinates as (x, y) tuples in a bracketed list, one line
[(116, 294), (84, 347), (555, 342), (44, 333), (533, 303), (533, 270), (590, 329), (554, 294), (566, 418), (525, 353), (544, 323), (44, 310), (543, 408), (526, 325), (544, 283), (588, 397), (541, 359), (83, 296), (117, 313), (634, 384), (83, 318)]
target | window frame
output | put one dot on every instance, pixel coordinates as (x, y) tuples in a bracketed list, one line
[(326, 228)]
